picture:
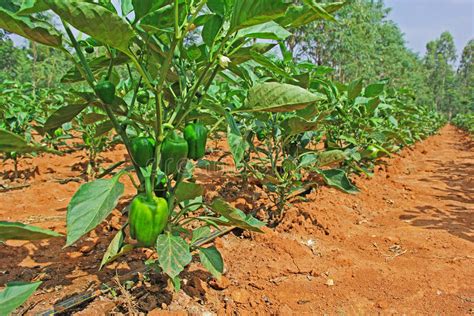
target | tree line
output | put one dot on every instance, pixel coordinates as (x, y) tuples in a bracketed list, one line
[(363, 43)]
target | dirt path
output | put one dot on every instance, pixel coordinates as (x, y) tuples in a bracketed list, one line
[(404, 245)]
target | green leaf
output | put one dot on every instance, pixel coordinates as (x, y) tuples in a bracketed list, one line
[(97, 65), (217, 6), (299, 15), (237, 143), (176, 281), (20, 231), (187, 191), (103, 128), (10, 5), (243, 54), (96, 21), (126, 6), (270, 65), (27, 27), (269, 30), (251, 12), (200, 233), (63, 115), (15, 294), (354, 89), (296, 125), (374, 90), (10, 142), (174, 254), (92, 118), (212, 260), (115, 249), (161, 19), (279, 97), (32, 6), (234, 216), (141, 8), (329, 157), (337, 178), (90, 205), (319, 10), (211, 29)]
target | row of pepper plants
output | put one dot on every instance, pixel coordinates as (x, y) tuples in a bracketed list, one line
[(465, 121), (165, 75)]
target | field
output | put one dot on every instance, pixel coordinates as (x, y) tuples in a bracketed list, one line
[(404, 245), (233, 157)]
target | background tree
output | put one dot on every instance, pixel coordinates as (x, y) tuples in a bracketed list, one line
[(363, 44), (465, 78), (439, 62)]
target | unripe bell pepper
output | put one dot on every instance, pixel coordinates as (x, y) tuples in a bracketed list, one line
[(147, 219), (143, 150), (105, 90), (174, 151), (89, 49), (196, 136), (261, 135), (143, 97)]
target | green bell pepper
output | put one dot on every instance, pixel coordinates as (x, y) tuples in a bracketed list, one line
[(174, 151), (105, 90), (196, 136), (143, 150)]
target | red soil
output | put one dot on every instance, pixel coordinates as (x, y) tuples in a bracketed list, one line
[(404, 245)]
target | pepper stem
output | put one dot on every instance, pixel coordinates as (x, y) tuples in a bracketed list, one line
[(148, 189)]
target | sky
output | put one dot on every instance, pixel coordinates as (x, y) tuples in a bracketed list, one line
[(424, 20)]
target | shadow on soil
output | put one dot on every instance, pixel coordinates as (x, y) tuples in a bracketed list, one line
[(457, 218)]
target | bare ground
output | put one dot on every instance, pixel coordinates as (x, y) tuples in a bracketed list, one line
[(404, 245)]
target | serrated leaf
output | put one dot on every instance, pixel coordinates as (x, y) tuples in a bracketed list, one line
[(174, 254), (15, 294), (212, 260), (90, 205), (20, 231)]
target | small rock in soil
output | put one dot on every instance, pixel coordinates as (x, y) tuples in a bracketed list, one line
[(219, 284), (241, 296)]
